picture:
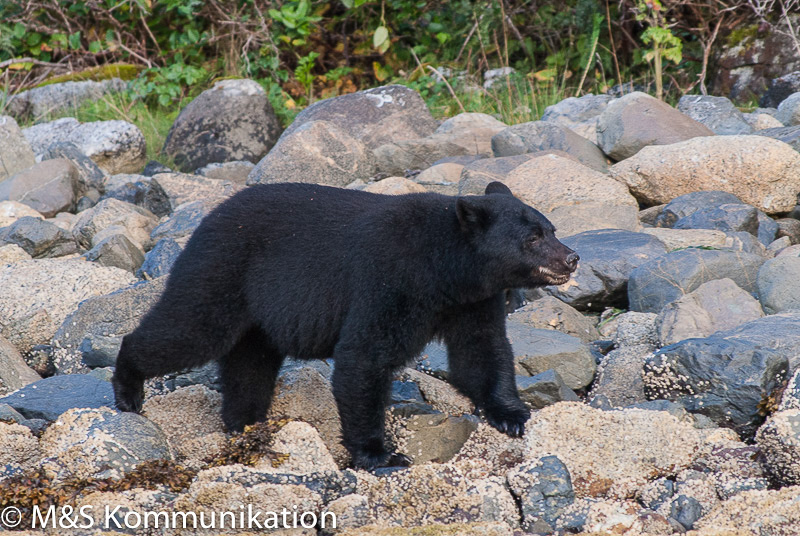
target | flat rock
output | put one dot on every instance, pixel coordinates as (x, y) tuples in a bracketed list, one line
[(39, 238), (608, 258), (760, 171), (663, 280), (49, 187), (15, 151), (637, 120), (690, 238), (115, 146), (716, 305), (538, 136), (717, 113), (777, 284), (539, 350), (48, 398), (551, 313)]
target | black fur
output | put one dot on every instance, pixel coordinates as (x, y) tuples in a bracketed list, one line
[(316, 272)]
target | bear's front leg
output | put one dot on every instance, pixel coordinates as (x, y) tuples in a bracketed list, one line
[(361, 386), (481, 363)]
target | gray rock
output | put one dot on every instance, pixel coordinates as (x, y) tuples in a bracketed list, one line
[(608, 258), (42, 135), (405, 391), (477, 175), (184, 188), (14, 371), (789, 228), (544, 389), (206, 375), (115, 215), (140, 191), (235, 171), (182, 222), (539, 350), (100, 351), (39, 238), (778, 89), (493, 76), (579, 114), (790, 135), (722, 378), (116, 250), (396, 157), (49, 187), (619, 376), (48, 398), (160, 259), (779, 440), (636, 329), (551, 313), (115, 146), (154, 167), (791, 395), (9, 414), (91, 176), (727, 217), (539, 136), (789, 110), (439, 437), (231, 121), (779, 332), (714, 306), (374, 117), (665, 279), (104, 318), (433, 360), (52, 98), (717, 113), (544, 489), (637, 120), (472, 131), (316, 151), (686, 510), (777, 284), (685, 205), (15, 152)]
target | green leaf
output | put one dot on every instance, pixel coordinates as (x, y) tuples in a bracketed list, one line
[(163, 100), (95, 47), (75, 41), (33, 39), (19, 30), (348, 3), (193, 34), (360, 3), (442, 37), (380, 36)]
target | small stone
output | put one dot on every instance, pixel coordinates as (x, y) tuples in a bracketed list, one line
[(544, 389)]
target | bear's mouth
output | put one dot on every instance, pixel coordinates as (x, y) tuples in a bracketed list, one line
[(552, 277)]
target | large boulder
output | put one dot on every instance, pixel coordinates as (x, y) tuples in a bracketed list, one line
[(42, 101), (48, 187), (578, 114), (233, 120), (183, 188), (398, 156), (760, 171), (717, 113), (663, 280), (42, 135), (538, 136), (48, 398), (637, 120), (15, 151), (608, 258), (477, 175), (789, 110), (115, 146)]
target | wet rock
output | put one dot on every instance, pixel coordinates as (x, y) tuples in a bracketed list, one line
[(717, 113), (48, 398), (539, 350), (49, 187), (551, 313), (544, 489), (38, 238), (15, 151), (544, 389), (231, 121)]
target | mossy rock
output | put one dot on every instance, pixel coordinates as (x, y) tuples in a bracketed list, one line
[(744, 36), (125, 71)]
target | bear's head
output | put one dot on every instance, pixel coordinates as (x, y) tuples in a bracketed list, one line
[(514, 241)]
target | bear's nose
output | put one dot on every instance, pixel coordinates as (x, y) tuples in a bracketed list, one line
[(572, 260)]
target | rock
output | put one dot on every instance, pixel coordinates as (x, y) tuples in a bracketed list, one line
[(729, 218), (608, 258), (789, 135), (136, 221), (42, 135), (140, 191), (477, 175), (304, 395), (117, 250), (51, 98), (789, 228), (665, 279), (579, 114), (441, 178), (539, 350), (231, 121), (183, 188), (54, 286), (437, 437), (759, 171), (685, 205), (789, 110), (89, 175), (635, 329), (19, 448), (723, 379), (101, 443), (551, 313), (11, 253), (791, 395), (544, 389), (543, 488), (716, 305), (779, 440), (761, 121), (191, 421), (316, 151), (107, 316), (619, 376), (538, 136), (754, 512), (97, 351), (14, 371), (48, 398), (235, 171), (49, 187), (375, 116), (11, 211), (472, 131), (351, 511), (159, 260), (611, 453), (15, 152), (182, 222), (398, 156), (305, 448), (778, 89), (779, 332), (493, 76), (115, 146), (638, 120), (39, 238), (394, 186), (717, 113), (154, 167), (441, 395), (777, 284)]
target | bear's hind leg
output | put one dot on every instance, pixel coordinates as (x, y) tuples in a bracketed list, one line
[(249, 373)]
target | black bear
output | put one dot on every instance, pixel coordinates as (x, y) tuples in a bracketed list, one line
[(315, 272)]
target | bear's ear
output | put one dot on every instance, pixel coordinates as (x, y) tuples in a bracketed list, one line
[(498, 188), (471, 213)]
